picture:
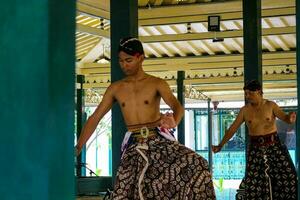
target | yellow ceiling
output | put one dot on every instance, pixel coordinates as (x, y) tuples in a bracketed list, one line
[(175, 37)]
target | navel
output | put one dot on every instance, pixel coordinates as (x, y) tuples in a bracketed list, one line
[(123, 104), (268, 119), (146, 102)]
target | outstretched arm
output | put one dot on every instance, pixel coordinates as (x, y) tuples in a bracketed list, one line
[(93, 120), (289, 118), (170, 120), (230, 132)]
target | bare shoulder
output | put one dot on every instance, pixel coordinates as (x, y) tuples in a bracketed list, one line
[(244, 108), (113, 87), (154, 78), (157, 80), (267, 101), (270, 103)]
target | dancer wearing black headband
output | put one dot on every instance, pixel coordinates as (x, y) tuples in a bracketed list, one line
[(153, 164), (270, 172)]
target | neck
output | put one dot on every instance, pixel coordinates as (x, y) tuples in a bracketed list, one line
[(257, 103), (137, 77)]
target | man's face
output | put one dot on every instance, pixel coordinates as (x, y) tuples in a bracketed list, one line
[(252, 96), (130, 64)]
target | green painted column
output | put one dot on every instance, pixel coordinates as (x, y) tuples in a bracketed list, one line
[(37, 99), (124, 23), (298, 92), (80, 120), (252, 40), (209, 127), (181, 99)]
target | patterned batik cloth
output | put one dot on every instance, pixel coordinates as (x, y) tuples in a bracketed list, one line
[(270, 174), (161, 168)]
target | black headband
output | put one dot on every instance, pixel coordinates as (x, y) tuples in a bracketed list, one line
[(253, 85), (131, 46)]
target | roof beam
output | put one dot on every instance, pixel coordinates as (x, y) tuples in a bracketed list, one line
[(189, 36), (196, 63), (93, 31), (92, 10), (187, 13), (210, 35), (210, 8), (203, 17)]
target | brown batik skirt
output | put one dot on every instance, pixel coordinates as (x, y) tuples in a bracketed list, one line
[(270, 172), (162, 169)]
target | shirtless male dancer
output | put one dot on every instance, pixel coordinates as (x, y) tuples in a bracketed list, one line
[(270, 172), (153, 165)]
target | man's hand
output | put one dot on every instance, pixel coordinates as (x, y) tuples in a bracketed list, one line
[(167, 121), (292, 117), (216, 148)]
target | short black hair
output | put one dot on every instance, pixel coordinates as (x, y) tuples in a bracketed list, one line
[(131, 46), (253, 85)]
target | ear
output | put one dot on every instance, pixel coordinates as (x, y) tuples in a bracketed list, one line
[(142, 57)]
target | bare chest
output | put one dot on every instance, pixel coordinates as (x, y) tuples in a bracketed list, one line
[(259, 116), (136, 94)]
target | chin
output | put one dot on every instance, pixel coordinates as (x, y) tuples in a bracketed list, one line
[(127, 73)]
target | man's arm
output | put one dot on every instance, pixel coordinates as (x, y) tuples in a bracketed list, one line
[(230, 132), (279, 113), (93, 120), (167, 95)]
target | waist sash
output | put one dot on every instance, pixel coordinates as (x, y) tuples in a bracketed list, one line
[(264, 140)]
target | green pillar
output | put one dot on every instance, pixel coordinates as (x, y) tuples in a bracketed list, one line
[(37, 101), (252, 40), (80, 120), (181, 99), (298, 91), (252, 43), (124, 23), (209, 127)]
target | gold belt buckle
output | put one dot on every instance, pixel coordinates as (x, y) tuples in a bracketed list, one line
[(144, 132)]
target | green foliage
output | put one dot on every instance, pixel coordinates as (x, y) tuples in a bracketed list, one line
[(219, 184)]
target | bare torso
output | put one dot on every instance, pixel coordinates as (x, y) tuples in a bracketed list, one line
[(139, 100), (260, 120)]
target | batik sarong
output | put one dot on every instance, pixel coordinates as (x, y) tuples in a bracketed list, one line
[(158, 167), (270, 172)]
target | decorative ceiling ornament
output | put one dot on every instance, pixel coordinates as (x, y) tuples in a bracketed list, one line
[(193, 93), (92, 96)]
